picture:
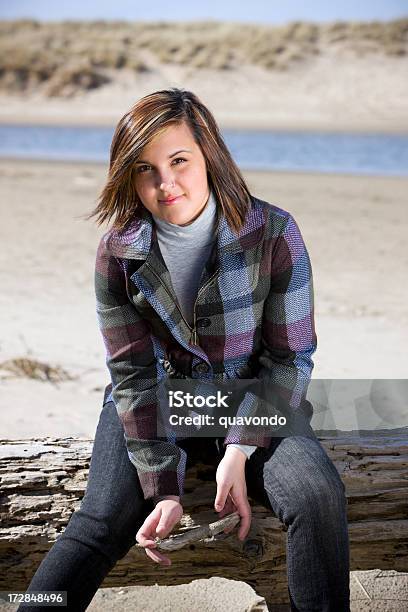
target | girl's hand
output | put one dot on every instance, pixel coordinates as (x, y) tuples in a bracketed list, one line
[(159, 523), (231, 489)]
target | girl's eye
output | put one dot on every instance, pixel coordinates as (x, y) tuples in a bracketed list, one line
[(146, 168), (142, 169)]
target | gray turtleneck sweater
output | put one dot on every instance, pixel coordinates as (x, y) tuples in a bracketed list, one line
[(185, 250)]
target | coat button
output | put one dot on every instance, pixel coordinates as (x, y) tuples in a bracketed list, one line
[(203, 322), (201, 368)]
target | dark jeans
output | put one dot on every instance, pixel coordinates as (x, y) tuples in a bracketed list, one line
[(294, 477)]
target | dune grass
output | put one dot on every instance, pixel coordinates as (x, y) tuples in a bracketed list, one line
[(63, 58)]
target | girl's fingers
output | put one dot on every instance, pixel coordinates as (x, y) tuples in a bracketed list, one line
[(157, 557), (228, 509), (145, 540), (146, 534), (159, 523), (244, 510), (166, 524), (239, 503), (232, 509)]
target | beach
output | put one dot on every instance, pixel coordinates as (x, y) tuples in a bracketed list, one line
[(335, 77), (354, 228)]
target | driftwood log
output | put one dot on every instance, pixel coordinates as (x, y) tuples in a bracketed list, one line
[(43, 481)]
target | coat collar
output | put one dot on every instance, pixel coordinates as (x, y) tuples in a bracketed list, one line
[(135, 242)]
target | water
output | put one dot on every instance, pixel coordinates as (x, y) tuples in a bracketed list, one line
[(385, 154)]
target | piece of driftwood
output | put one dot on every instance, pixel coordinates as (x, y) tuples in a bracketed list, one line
[(43, 481), (200, 533)]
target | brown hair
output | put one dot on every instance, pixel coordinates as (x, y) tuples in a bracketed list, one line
[(151, 115)]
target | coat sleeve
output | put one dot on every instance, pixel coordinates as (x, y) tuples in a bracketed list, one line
[(133, 368), (288, 335)]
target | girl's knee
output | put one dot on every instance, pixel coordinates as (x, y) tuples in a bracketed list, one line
[(304, 480), (99, 531), (321, 499)]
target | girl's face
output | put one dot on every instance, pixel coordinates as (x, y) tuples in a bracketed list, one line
[(171, 176)]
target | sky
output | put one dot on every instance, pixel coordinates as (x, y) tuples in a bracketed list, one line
[(254, 11)]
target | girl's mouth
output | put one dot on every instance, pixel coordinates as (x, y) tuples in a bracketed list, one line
[(169, 201)]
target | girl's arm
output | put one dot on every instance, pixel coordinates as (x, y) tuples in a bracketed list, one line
[(133, 368), (288, 332)]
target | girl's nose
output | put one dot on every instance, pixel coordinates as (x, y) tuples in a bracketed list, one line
[(168, 184)]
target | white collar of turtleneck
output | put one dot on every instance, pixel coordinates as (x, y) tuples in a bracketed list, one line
[(197, 234)]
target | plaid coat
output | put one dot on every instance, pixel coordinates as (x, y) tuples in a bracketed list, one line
[(253, 313)]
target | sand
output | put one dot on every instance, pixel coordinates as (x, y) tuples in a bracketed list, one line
[(332, 91), (355, 229)]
